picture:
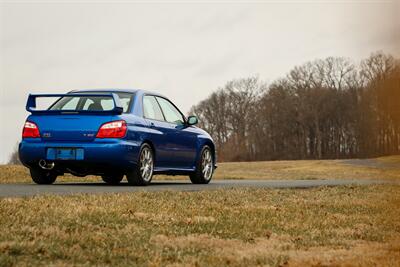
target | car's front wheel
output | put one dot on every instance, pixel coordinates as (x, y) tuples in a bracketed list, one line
[(143, 172), (112, 179), (43, 176), (204, 167)]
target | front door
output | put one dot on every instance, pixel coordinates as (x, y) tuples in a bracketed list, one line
[(181, 142)]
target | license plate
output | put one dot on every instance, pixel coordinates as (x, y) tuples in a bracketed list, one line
[(66, 154)]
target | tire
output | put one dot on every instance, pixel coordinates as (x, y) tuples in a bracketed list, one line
[(43, 176), (112, 179), (206, 159), (143, 172)]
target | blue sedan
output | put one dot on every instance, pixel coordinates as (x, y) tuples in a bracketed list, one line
[(113, 133)]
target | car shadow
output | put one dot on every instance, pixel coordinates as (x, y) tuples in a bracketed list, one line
[(120, 184)]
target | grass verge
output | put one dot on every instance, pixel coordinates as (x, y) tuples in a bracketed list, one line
[(349, 225)]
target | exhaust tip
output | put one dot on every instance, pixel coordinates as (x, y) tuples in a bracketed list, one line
[(46, 165)]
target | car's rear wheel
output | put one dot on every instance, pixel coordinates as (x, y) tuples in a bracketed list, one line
[(112, 179), (143, 172), (204, 167), (43, 176)]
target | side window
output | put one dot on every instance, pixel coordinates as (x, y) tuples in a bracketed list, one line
[(170, 112), (151, 109)]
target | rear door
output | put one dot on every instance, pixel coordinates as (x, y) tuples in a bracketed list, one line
[(157, 130)]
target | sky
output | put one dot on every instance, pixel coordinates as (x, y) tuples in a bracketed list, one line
[(182, 50)]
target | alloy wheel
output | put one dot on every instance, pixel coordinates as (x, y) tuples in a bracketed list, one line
[(207, 164), (146, 164)]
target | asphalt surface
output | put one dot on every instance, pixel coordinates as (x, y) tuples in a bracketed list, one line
[(21, 190)]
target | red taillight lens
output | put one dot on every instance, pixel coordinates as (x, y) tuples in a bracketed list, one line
[(30, 130), (113, 129)]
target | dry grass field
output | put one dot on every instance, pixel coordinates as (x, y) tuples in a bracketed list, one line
[(381, 168), (341, 226), (326, 226)]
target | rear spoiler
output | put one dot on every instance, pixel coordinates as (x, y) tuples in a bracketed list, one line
[(31, 104)]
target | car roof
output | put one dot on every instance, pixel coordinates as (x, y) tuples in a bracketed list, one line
[(118, 90), (106, 90)]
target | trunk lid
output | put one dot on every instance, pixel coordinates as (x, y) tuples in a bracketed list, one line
[(74, 128)]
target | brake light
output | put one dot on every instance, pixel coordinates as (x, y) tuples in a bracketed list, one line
[(30, 130), (113, 129)]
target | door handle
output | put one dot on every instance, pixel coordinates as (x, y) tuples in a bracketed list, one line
[(152, 124)]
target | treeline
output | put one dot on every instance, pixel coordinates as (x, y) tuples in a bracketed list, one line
[(324, 109)]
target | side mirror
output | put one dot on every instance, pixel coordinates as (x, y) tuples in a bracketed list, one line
[(192, 120)]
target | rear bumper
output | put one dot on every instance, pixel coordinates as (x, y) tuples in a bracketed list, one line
[(98, 155)]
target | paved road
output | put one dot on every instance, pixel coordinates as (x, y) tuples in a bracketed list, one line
[(17, 190)]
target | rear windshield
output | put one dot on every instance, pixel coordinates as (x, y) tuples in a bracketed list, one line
[(95, 103)]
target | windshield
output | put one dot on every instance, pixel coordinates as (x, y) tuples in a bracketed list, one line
[(93, 103)]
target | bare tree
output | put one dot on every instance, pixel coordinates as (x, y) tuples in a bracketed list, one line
[(329, 108)]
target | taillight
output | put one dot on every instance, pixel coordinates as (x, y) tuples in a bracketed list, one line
[(30, 130), (113, 129)]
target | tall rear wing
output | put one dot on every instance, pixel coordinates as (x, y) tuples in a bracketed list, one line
[(31, 104)]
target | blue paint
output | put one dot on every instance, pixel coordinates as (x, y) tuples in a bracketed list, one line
[(176, 147)]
